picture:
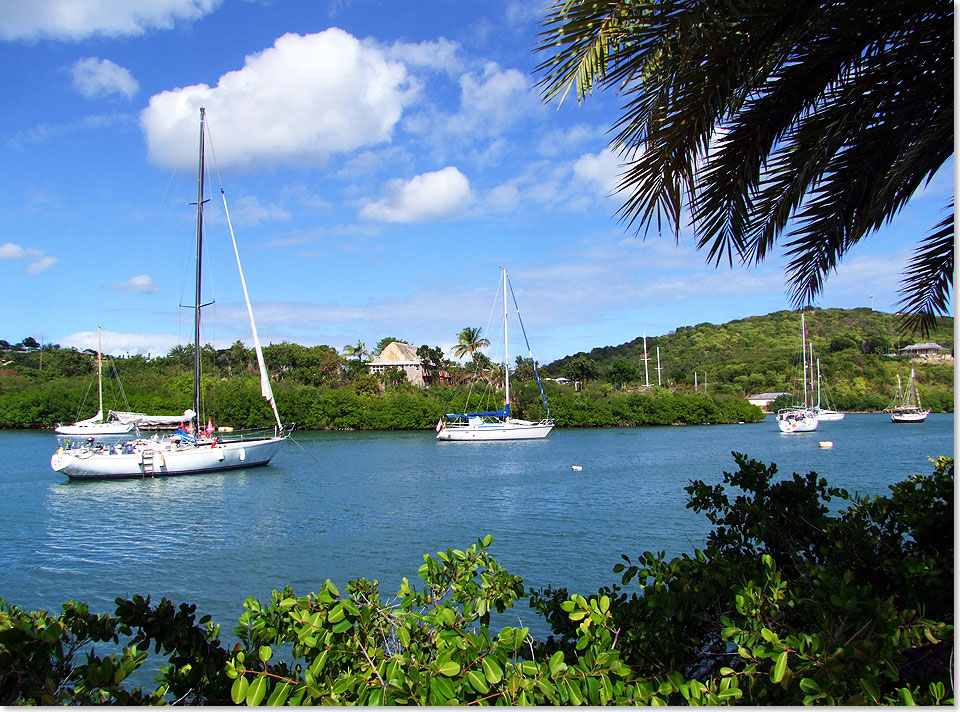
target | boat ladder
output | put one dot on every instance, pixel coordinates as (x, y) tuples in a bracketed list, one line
[(146, 459)]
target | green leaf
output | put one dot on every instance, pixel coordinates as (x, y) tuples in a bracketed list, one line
[(238, 691), (265, 653), (575, 696), (556, 664), (780, 668), (478, 682), (769, 635), (811, 687), (449, 668), (257, 691), (342, 626), (404, 635), (870, 688), (492, 670)]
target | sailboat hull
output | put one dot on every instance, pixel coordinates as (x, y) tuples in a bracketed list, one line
[(797, 421), (163, 459), (829, 415), (495, 431), (917, 416)]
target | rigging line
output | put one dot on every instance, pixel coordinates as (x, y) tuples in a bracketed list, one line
[(533, 361)]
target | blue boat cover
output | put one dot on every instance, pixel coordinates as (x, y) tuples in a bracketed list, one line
[(502, 413)]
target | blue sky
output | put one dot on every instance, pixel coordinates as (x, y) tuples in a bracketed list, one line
[(381, 161)]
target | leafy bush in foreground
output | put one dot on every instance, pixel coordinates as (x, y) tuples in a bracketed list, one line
[(786, 604)]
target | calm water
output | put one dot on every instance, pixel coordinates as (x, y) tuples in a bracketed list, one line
[(345, 505)]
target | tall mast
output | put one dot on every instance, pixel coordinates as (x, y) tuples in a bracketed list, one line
[(803, 347), (506, 358), (818, 383), (197, 305), (646, 370), (100, 372)]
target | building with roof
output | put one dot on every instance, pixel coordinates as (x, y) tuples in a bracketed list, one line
[(765, 399), (405, 358), (927, 351)]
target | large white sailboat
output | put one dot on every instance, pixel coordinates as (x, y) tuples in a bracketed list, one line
[(906, 406), (800, 418), (109, 429), (194, 450), (497, 424)]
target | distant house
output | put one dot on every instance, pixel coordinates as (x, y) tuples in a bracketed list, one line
[(561, 380), (927, 351), (765, 399), (404, 357)]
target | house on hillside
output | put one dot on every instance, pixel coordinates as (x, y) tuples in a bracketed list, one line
[(927, 351), (765, 399), (404, 357)]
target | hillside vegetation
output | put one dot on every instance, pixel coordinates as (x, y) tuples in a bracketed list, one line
[(762, 354), (318, 388)]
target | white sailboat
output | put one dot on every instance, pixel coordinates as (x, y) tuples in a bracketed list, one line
[(800, 418), (822, 413), (191, 451), (112, 429), (906, 406), (497, 424)]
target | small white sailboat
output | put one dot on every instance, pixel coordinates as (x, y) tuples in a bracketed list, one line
[(822, 413), (800, 418), (112, 429), (497, 424), (906, 406), (192, 450)]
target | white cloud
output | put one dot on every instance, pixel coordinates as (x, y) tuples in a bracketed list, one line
[(40, 265), (41, 261), (493, 99), (94, 77), (429, 196), (299, 101), (116, 343), (248, 210), (601, 170), (140, 283), (439, 55), (9, 251), (77, 19)]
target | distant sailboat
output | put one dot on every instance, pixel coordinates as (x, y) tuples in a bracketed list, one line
[(193, 450), (906, 406), (824, 413), (111, 429), (498, 425), (800, 418)]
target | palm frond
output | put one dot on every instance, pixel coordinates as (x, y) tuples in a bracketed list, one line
[(925, 290)]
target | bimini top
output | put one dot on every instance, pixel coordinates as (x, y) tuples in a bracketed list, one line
[(502, 413)]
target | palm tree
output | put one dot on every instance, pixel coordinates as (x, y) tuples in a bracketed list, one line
[(360, 351), (469, 341), (814, 119)]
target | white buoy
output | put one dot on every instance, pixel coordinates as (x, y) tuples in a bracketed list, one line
[(826, 444), (576, 468)]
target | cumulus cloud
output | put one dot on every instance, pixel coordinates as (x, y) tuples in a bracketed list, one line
[(494, 98), (77, 19), (601, 170), (140, 283), (94, 77), (428, 196), (440, 55), (41, 261), (301, 100)]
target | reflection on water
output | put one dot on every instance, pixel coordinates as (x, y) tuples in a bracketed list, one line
[(346, 505)]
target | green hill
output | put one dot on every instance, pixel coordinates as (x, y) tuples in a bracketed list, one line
[(760, 354)]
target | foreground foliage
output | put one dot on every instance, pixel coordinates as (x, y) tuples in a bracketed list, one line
[(786, 604)]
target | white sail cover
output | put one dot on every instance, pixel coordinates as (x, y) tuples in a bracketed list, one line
[(144, 419)]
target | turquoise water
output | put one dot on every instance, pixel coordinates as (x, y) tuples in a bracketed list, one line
[(345, 505)]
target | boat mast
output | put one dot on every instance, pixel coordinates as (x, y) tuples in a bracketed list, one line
[(197, 305), (506, 359), (100, 372), (818, 383), (803, 347)]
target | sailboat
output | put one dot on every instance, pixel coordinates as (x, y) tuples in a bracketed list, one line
[(112, 429), (906, 406), (192, 450), (800, 418), (497, 424), (824, 413)]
